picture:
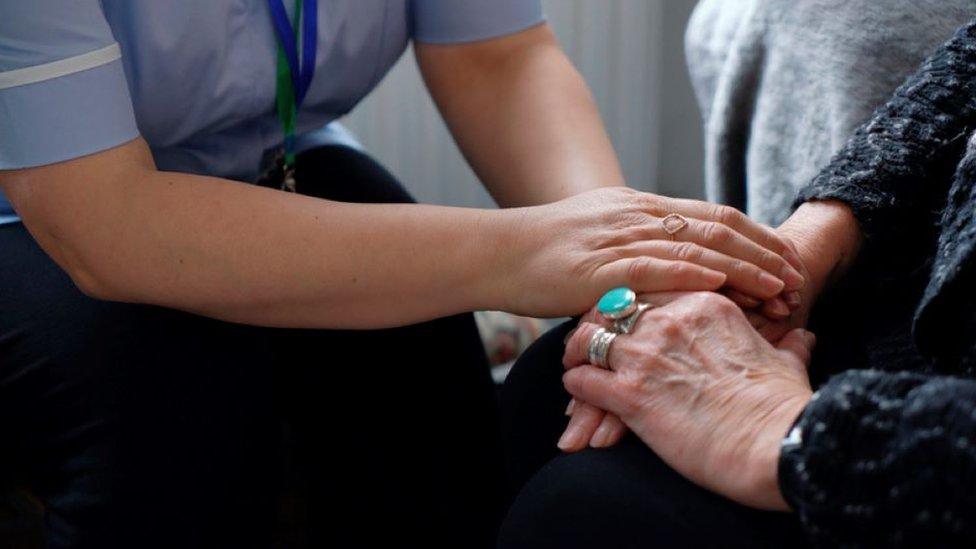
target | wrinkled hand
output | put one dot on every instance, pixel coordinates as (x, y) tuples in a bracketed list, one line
[(703, 390), (567, 254), (826, 239)]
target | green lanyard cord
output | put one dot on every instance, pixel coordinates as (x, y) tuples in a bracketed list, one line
[(285, 93)]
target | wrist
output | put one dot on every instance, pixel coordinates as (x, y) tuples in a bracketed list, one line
[(499, 253), (765, 457), (828, 239)]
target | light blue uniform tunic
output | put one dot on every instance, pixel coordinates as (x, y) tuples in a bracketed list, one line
[(196, 78)]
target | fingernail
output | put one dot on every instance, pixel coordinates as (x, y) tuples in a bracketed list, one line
[(569, 439), (793, 299), (601, 437), (715, 278), (793, 279), (571, 406), (778, 307), (773, 284), (748, 302)]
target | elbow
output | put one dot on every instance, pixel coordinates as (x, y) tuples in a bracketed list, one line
[(92, 285), (85, 270)]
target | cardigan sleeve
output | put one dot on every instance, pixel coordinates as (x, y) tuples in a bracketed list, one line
[(885, 460), (895, 170)]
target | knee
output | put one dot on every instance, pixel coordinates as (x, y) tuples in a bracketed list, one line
[(588, 499)]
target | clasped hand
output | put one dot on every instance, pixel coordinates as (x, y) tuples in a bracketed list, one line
[(701, 387)]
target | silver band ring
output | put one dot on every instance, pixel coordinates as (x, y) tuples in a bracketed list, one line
[(626, 324), (599, 347)]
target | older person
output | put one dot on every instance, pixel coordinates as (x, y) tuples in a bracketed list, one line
[(882, 453)]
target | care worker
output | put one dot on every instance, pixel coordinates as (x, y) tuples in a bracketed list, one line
[(212, 300)]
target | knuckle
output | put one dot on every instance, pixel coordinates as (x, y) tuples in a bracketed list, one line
[(629, 219), (728, 215), (719, 304), (639, 269), (769, 259), (671, 327), (709, 302), (741, 268), (688, 251), (657, 206), (678, 270), (717, 234)]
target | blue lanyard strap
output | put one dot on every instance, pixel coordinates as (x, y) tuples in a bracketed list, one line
[(289, 100)]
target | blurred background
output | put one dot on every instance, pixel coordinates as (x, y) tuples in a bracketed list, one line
[(631, 53)]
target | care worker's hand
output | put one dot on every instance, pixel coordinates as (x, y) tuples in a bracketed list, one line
[(565, 255)]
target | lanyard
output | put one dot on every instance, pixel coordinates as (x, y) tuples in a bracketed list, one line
[(292, 78)]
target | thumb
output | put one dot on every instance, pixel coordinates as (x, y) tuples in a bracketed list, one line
[(800, 343)]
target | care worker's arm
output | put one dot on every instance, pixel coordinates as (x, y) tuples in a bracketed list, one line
[(126, 232), (522, 115)]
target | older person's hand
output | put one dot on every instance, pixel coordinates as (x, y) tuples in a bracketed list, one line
[(826, 239), (703, 389)]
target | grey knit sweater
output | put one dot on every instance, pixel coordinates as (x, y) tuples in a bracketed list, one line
[(782, 84)]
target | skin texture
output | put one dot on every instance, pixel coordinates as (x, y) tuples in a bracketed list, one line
[(702, 389), (827, 239), (125, 231)]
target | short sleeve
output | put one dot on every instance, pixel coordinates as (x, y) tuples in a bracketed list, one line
[(453, 21), (63, 92)]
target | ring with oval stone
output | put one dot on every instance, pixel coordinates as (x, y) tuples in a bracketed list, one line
[(621, 307)]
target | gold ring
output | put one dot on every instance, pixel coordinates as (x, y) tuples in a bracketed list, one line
[(673, 224)]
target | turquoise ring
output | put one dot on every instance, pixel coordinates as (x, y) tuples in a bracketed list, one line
[(621, 307), (617, 303)]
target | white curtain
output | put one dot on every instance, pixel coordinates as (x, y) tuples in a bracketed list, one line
[(631, 54)]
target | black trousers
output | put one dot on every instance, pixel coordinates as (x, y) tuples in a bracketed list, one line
[(140, 426), (621, 497)]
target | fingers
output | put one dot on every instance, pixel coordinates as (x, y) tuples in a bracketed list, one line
[(584, 421), (741, 275), (776, 309), (722, 238), (650, 274), (596, 387), (577, 350), (740, 299), (610, 431), (734, 219), (800, 343)]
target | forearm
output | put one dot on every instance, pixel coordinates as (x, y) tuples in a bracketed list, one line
[(523, 116), (884, 460), (253, 255)]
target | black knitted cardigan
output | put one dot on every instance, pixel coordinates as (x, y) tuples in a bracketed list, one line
[(888, 451)]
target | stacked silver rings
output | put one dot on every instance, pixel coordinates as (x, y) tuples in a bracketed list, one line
[(600, 346)]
